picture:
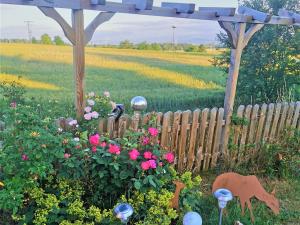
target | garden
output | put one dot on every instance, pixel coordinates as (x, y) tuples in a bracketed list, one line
[(62, 171)]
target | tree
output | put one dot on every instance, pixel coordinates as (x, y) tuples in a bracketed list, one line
[(34, 40), (46, 39), (126, 44), (270, 65), (58, 40)]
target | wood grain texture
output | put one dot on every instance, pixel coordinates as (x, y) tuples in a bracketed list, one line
[(193, 134)]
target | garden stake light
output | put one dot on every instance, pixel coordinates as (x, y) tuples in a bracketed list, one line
[(123, 211), (223, 196), (192, 218)]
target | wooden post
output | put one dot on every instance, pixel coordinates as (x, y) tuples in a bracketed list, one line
[(78, 59), (239, 38)]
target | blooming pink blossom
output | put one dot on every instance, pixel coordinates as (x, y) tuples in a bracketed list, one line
[(94, 139), (153, 131), (91, 102), (154, 157), (145, 165), (160, 164), (169, 157), (148, 155), (103, 144), (146, 140), (94, 149), (152, 163), (95, 115), (24, 157), (88, 116), (133, 154), (73, 122), (88, 109), (13, 104), (66, 155), (114, 149)]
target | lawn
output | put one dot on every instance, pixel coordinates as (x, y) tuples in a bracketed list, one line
[(169, 80)]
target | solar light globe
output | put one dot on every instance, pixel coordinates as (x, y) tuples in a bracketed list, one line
[(223, 196), (138, 103), (192, 218), (123, 211)]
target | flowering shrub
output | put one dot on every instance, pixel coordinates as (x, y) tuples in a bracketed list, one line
[(50, 175)]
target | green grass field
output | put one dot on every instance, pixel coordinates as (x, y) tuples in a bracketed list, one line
[(169, 81)]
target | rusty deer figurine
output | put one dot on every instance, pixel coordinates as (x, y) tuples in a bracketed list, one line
[(246, 187), (175, 200)]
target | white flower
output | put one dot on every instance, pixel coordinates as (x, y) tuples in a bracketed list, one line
[(91, 94), (73, 122), (95, 115), (106, 94), (76, 139), (91, 102), (88, 109), (59, 129)]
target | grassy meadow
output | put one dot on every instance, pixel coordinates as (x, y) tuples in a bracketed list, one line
[(169, 80)]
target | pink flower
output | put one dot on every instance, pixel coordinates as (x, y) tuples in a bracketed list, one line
[(146, 140), (13, 104), (169, 157), (153, 131), (95, 115), (114, 149), (88, 116), (91, 102), (145, 165), (77, 146), (154, 157), (88, 109), (94, 139), (133, 154), (160, 164), (152, 163), (73, 122), (147, 155), (94, 149), (103, 144), (66, 155), (24, 157)]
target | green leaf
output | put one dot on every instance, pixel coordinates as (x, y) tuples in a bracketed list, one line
[(123, 175), (137, 185)]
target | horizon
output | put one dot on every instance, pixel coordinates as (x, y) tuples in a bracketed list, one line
[(121, 27)]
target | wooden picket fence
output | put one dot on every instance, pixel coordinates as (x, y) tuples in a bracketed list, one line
[(196, 137)]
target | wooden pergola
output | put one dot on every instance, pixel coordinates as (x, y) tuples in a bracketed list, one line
[(233, 21)]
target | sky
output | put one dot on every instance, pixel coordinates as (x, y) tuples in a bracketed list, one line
[(135, 28)]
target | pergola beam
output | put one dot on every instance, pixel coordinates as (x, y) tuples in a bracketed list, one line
[(156, 11)]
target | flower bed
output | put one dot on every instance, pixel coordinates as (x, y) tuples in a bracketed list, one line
[(72, 175)]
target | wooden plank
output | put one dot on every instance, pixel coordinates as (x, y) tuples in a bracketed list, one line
[(165, 129), (282, 120), (140, 4), (135, 121), (102, 126), (293, 15), (257, 15), (217, 139), (101, 18), (200, 142), (296, 115), (97, 2), (231, 33), (110, 127), (179, 7), (290, 114), (275, 121), (217, 11), (183, 140), (193, 134), (253, 125), (123, 123), (209, 140), (261, 122), (175, 131), (251, 31), (244, 134), (78, 60), (268, 122)]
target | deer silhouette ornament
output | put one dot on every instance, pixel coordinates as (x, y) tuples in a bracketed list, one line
[(246, 187), (175, 200)]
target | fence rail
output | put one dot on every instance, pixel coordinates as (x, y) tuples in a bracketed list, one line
[(196, 137)]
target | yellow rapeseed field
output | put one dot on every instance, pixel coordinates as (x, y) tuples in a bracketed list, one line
[(63, 54)]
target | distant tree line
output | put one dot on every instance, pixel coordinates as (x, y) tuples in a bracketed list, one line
[(44, 39)]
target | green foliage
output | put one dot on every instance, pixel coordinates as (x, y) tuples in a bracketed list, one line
[(12, 91), (58, 40), (46, 39), (275, 74)]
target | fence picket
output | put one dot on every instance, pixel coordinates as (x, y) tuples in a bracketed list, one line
[(282, 118), (290, 114), (268, 122), (183, 139), (296, 115), (210, 136), (244, 133), (200, 141), (253, 125), (275, 121), (175, 131), (217, 139), (165, 129), (261, 122)]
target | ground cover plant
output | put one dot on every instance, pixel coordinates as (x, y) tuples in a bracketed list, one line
[(175, 80)]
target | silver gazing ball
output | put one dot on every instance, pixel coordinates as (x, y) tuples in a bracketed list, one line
[(192, 218), (138, 103)]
